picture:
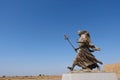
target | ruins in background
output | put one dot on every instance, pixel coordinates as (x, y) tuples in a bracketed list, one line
[(113, 68)]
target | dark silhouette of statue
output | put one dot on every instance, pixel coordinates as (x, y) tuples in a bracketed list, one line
[(85, 59)]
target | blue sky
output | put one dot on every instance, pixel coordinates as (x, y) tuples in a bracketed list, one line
[(31, 33)]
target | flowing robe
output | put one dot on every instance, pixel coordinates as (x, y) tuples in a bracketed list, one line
[(85, 58)]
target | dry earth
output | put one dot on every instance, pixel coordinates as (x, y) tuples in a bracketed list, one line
[(32, 78), (107, 68)]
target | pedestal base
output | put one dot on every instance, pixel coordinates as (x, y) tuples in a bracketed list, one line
[(89, 76)]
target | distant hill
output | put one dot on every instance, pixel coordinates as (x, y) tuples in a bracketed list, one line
[(113, 68)]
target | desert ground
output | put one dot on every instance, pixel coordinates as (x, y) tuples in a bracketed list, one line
[(31, 78), (34, 78), (107, 68)]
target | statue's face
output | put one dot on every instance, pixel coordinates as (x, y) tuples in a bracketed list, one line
[(82, 32), (83, 36)]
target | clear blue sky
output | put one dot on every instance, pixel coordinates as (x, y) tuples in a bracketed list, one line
[(31, 33)]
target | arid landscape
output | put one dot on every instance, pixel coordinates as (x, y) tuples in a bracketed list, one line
[(107, 68), (31, 78)]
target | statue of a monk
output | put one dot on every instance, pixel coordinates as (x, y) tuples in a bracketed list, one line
[(85, 59)]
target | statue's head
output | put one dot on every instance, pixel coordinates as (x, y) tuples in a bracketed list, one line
[(82, 32)]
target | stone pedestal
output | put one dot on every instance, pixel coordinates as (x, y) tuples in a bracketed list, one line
[(89, 76)]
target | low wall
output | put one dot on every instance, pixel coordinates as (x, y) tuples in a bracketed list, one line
[(113, 68)]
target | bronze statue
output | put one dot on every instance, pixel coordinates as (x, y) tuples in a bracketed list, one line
[(85, 59)]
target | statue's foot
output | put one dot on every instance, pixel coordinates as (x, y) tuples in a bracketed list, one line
[(70, 68), (87, 70)]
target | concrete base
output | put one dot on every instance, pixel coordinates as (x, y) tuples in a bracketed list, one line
[(89, 76)]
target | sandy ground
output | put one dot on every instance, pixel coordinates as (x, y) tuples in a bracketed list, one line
[(32, 78)]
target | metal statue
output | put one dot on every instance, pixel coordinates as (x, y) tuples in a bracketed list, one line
[(84, 59)]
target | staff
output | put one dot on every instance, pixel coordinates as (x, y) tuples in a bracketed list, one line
[(66, 38)]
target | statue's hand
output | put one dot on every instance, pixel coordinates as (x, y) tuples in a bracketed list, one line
[(76, 49), (96, 49)]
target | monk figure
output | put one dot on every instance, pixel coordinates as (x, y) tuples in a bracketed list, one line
[(85, 59)]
